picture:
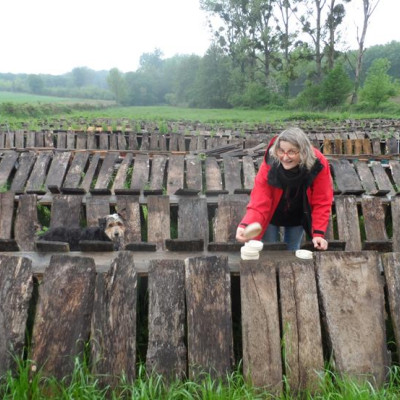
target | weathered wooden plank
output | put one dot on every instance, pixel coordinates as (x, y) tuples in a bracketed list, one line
[(229, 213), (7, 164), (103, 141), (106, 172), (166, 352), (76, 170), (66, 211), (61, 140), (348, 223), (81, 140), (129, 209), (88, 178), (154, 141), (395, 209), (391, 262), (70, 140), (36, 181), (392, 146), (352, 301), (367, 179), (6, 214), (132, 141), (232, 171), (194, 177), (141, 171), (30, 139), (58, 168), (25, 164), (120, 181), (121, 141), (210, 342), (175, 174), (26, 222), (113, 326), (193, 219), (19, 139), (91, 141), (394, 166), (262, 361), (9, 143), (382, 179), (249, 172), (16, 286), (376, 146), (213, 176), (158, 166), (62, 324), (173, 142), (302, 339), (97, 206), (158, 220), (144, 145), (113, 141), (374, 218), (367, 147), (346, 178)]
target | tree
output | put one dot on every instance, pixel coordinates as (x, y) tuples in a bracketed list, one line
[(369, 7), (335, 17), (378, 85), (35, 83), (336, 87), (82, 76), (116, 83)]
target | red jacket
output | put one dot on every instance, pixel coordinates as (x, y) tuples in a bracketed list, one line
[(265, 196)]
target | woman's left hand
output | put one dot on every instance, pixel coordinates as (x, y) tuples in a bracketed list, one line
[(320, 243)]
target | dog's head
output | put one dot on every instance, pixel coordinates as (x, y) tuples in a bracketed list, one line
[(114, 228)]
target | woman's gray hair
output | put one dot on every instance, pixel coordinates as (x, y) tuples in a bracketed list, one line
[(298, 138)]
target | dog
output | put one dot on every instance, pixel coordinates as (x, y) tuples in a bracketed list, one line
[(111, 229)]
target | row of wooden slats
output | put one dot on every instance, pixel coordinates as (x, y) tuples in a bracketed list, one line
[(361, 224), (338, 143), (28, 172), (190, 317)]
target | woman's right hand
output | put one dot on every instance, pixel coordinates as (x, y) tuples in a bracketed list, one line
[(240, 235)]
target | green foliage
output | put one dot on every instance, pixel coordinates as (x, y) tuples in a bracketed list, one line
[(335, 88), (378, 85)]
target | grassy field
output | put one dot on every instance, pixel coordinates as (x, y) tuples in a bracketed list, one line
[(20, 98), (226, 117)]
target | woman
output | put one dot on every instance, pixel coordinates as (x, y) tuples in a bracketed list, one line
[(292, 189)]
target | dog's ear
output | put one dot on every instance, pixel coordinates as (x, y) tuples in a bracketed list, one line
[(120, 215), (102, 223)]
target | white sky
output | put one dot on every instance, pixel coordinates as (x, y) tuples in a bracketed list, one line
[(55, 36)]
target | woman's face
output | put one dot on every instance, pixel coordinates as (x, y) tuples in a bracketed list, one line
[(289, 155)]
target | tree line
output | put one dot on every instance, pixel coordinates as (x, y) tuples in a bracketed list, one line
[(265, 53)]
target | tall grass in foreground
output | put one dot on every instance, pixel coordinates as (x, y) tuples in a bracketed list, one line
[(83, 385)]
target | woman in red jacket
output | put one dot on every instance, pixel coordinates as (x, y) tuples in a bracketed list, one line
[(292, 189)]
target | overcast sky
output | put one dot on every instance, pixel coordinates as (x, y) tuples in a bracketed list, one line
[(55, 36)]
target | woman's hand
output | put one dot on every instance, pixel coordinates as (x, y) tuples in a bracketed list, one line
[(320, 243), (240, 235)]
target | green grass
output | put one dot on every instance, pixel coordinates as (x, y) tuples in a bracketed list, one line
[(21, 98), (84, 385)]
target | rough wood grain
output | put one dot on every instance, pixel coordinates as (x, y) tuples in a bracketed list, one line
[(62, 323), (97, 206), (16, 285), (140, 175), (6, 214), (25, 164), (7, 164), (194, 178), (166, 352), (347, 221), (210, 343), (106, 171), (391, 262), (26, 222), (395, 208), (113, 326), (57, 169), (262, 362), (175, 175), (158, 221), (91, 170), (213, 175), (193, 219), (158, 168), (346, 177), (232, 169), (37, 178), (129, 208), (231, 209), (66, 211), (352, 301), (120, 181), (301, 326), (76, 170)]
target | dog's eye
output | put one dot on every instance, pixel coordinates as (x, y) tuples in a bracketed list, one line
[(120, 224)]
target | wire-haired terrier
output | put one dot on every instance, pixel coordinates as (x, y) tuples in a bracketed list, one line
[(111, 228)]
